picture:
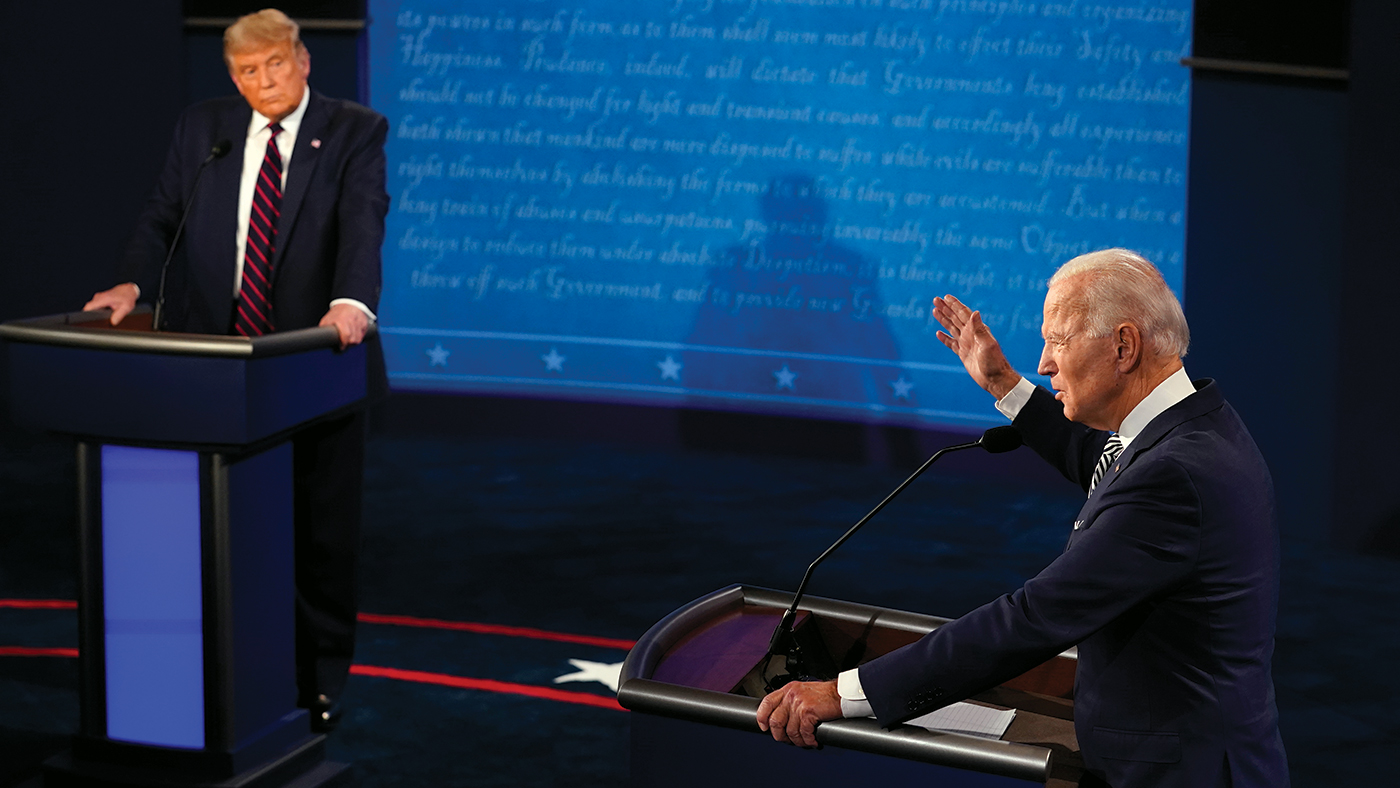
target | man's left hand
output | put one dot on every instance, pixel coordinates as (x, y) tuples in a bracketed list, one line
[(349, 321), (791, 713)]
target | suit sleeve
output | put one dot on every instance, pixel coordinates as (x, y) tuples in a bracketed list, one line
[(1143, 542), (1072, 448), (361, 208), (150, 241)]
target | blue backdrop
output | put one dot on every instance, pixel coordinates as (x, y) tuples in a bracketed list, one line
[(751, 204)]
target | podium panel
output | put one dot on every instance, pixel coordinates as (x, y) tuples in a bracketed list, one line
[(153, 623), (74, 374)]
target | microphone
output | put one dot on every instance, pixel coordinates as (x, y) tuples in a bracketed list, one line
[(995, 440), (999, 440), (220, 150)]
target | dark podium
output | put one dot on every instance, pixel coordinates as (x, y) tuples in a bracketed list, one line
[(186, 585), (693, 685)]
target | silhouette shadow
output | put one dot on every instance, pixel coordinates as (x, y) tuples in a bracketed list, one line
[(788, 288)]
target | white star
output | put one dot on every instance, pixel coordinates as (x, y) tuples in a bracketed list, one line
[(437, 355), (670, 368), (601, 672), (901, 387), (553, 362), (785, 378)]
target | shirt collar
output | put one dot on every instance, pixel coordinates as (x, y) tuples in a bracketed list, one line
[(1174, 389), (290, 124)]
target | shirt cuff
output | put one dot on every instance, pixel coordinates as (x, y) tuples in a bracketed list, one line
[(358, 305), (1015, 399), (853, 702)]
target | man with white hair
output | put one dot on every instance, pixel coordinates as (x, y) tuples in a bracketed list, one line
[(1169, 583), (283, 232)]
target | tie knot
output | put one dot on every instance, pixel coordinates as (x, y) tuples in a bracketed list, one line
[(275, 128)]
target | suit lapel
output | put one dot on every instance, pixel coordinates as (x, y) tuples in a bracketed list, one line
[(1206, 399), (299, 171)]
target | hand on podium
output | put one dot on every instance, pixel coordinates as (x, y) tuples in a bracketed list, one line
[(791, 713), (350, 321), (120, 299)]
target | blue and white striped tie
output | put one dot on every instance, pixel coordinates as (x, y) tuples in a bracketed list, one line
[(1111, 450)]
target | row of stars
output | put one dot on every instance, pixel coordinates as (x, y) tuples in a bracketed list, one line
[(670, 368)]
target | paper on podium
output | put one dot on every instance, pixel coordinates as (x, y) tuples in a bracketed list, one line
[(967, 718)]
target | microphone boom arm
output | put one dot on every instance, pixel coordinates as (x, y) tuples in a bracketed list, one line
[(218, 151), (784, 628)]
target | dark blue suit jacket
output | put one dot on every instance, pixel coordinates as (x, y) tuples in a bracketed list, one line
[(328, 235), (1168, 586)]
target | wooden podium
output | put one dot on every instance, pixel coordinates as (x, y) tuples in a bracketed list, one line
[(186, 583), (693, 685)]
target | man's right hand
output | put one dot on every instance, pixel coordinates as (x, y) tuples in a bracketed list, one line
[(965, 334), (120, 299), (792, 712)]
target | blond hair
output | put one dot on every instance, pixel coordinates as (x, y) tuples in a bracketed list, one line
[(266, 28), (1117, 286)]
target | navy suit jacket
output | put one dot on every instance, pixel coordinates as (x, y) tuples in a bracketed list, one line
[(329, 232), (1169, 587)]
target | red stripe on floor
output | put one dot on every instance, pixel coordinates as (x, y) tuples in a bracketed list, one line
[(33, 604), (418, 676), (496, 629), (25, 651), (399, 621), (486, 685)]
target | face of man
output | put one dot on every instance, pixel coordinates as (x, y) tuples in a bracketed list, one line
[(1083, 370), (271, 80)]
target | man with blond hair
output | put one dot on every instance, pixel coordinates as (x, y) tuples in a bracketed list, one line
[(283, 231), (1169, 583)]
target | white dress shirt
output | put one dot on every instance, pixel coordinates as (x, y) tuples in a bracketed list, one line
[(253, 149), (1174, 389)]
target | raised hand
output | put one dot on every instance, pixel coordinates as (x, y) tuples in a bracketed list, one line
[(964, 333)]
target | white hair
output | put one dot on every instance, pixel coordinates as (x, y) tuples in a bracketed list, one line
[(1116, 286)]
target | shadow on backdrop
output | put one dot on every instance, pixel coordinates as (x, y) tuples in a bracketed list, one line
[(787, 287)]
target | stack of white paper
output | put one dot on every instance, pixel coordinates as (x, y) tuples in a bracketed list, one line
[(967, 718)]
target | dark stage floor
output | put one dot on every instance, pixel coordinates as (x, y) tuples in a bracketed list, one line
[(495, 567)]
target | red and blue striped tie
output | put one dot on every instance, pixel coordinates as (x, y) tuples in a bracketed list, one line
[(254, 313)]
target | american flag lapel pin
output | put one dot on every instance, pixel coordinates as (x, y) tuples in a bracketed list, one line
[(316, 143)]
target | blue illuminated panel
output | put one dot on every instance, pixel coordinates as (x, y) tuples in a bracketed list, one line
[(151, 586)]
